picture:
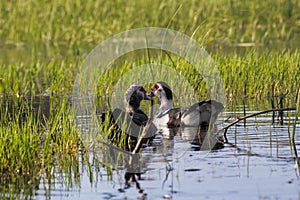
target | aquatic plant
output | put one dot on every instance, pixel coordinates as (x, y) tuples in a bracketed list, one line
[(34, 145)]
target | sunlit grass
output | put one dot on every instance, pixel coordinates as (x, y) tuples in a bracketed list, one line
[(255, 76), (33, 146), (263, 76), (37, 78)]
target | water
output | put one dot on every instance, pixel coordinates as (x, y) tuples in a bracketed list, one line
[(257, 164), (262, 168)]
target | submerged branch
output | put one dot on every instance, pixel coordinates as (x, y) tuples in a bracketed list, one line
[(248, 116)]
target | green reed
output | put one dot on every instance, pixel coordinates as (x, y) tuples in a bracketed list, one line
[(272, 75), (37, 78), (35, 146), (266, 75)]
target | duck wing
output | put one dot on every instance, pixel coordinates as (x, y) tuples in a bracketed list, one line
[(133, 124), (139, 117)]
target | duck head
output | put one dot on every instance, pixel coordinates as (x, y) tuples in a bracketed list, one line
[(164, 93), (133, 97)]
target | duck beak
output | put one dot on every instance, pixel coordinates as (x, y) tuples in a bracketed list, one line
[(150, 95), (147, 97)]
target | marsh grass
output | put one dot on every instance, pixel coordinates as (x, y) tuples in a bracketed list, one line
[(33, 146), (272, 76), (37, 78)]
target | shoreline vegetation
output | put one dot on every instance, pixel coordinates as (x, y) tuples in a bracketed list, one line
[(255, 76), (255, 45)]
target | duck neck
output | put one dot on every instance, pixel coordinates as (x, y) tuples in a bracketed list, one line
[(165, 104), (132, 106)]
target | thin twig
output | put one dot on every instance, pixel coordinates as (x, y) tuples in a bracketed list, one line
[(248, 116), (145, 130), (293, 143)]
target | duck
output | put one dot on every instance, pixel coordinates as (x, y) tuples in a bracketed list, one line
[(201, 114), (132, 120), (166, 116)]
